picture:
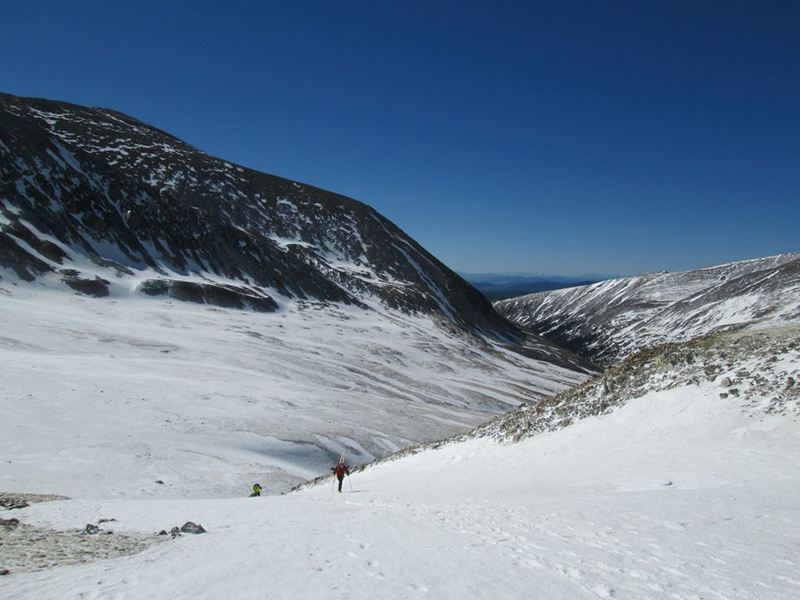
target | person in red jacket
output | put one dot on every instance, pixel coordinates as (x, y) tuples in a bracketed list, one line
[(340, 471)]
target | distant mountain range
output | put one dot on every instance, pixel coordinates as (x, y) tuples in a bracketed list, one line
[(500, 286), (606, 321)]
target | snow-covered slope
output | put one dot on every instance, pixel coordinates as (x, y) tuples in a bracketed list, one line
[(607, 321), (683, 491)]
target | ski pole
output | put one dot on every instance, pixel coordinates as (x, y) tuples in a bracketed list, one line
[(350, 482)]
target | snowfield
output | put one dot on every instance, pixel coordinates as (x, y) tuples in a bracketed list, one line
[(104, 397), (677, 494)]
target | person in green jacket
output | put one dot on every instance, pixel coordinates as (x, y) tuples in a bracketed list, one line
[(256, 490)]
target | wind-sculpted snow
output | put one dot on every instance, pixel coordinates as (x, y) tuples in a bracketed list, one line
[(607, 321), (94, 198), (169, 391)]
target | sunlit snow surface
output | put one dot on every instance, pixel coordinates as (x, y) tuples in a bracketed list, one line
[(103, 397), (677, 494)]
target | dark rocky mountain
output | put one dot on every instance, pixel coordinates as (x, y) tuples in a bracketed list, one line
[(609, 320), (99, 201)]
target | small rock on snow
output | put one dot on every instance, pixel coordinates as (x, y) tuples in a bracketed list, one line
[(190, 527)]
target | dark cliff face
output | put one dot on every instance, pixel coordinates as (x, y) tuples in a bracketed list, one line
[(130, 196), (87, 185)]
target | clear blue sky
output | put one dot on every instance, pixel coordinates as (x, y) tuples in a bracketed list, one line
[(557, 137)]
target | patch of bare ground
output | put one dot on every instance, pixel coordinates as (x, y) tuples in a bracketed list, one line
[(26, 547)]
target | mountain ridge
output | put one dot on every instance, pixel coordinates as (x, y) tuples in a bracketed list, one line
[(606, 321), (98, 199)]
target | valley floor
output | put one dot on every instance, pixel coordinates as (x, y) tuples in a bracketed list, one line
[(105, 397), (678, 494)]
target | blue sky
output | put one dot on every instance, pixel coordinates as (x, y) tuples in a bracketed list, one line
[(557, 137)]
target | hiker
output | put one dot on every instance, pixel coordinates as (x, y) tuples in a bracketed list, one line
[(340, 471), (256, 490)]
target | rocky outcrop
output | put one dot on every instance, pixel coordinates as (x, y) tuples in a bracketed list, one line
[(749, 367)]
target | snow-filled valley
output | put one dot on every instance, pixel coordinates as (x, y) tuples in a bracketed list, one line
[(679, 493), (173, 391)]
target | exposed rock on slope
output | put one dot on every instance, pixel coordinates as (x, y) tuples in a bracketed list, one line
[(746, 366), (607, 321)]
